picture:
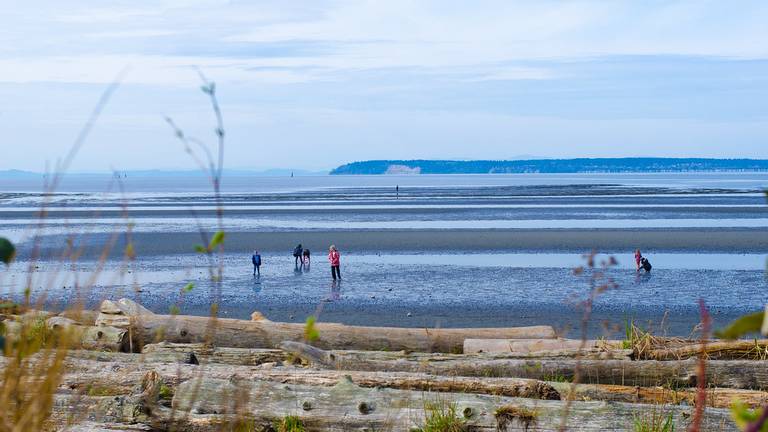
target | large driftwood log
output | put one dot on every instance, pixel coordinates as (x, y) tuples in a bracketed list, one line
[(401, 410), (744, 374), (78, 336), (91, 426), (661, 349), (219, 404), (716, 397), (605, 349), (737, 374), (120, 377), (255, 356), (123, 372), (229, 332), (756, 349)]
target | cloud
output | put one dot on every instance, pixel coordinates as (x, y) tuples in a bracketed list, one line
[(348, 36), (395, 78)]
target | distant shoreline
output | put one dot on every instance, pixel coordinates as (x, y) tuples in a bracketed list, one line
[(553, 166)]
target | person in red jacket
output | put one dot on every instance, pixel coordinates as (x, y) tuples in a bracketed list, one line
[(335, 258)]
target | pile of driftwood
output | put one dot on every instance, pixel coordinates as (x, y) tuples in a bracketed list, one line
[(135, 370)]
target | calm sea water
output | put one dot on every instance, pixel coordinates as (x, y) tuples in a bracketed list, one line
[(404, 287)]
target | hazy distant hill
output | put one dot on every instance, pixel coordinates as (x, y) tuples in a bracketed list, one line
[(17, 174), (277, 172), (550, 166)]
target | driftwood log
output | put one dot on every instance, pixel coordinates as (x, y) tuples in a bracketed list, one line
[(755, 349), (402, 410), (79, 336), (559, 347), (735, 374), (119, 377), (220, 405), (267, 334), (740, 374)]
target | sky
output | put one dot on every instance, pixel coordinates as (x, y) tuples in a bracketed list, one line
[(315, 84)]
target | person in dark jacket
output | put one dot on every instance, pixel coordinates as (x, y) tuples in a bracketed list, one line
[(297, 254), (256, 260), (642, 262)]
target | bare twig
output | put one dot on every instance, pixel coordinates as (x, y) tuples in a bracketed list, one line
[(701, 374)]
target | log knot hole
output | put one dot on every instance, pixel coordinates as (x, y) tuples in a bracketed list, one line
[(306, 405), (365, 407), (468, 412), (190, 358)]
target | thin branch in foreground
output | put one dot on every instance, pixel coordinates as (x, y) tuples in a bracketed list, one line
[(701, 373)]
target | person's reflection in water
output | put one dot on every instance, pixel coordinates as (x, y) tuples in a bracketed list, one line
[(305, 267), (256, 285), (297, 270), (335, 290), (642, 277)]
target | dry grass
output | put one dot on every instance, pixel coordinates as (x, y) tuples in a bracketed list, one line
[(507, 415), (33, 367)]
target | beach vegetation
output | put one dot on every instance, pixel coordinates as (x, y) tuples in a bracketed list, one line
[(654, 420), (751, 323), (311, 333), (555, 377), (289, 424), (96, 390), (10, 307), (639, 340), (165, 392), (507, 415), (744, 417), (244, 424), (441, 416), (29, 384)]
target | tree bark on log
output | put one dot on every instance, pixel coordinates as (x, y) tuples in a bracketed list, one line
[(229, 332)]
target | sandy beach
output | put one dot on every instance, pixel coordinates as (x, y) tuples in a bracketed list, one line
[(383, 241)]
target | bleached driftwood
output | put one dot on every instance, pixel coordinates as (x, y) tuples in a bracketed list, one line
[(559, 347), (744, 374), (226, 332)]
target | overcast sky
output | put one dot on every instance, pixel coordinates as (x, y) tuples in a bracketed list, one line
[(314, 84)]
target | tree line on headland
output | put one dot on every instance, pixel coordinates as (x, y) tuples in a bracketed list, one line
[(580, 165)]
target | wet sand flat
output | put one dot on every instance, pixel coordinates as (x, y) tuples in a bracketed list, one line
[(571, 240)]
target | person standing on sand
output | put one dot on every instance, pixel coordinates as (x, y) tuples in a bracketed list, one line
[(256, 260), (638, 257), (334, 257), (297, 254), (305, 256)]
